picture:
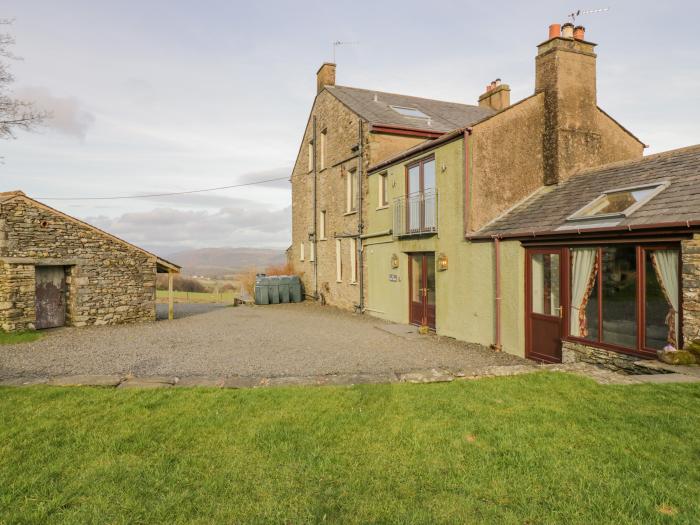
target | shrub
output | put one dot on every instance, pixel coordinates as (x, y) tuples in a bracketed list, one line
[(180, 284)]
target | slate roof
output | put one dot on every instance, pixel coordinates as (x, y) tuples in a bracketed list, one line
[(547, 211), (444, 116)]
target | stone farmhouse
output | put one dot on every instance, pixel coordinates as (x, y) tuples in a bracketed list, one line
[(539, 228), (56, 270)]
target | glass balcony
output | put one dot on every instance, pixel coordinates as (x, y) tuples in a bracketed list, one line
[(416, 214)]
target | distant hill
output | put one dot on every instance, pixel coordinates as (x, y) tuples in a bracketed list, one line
[(212, 262)]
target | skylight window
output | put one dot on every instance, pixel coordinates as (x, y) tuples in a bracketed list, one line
[(409, 112), (618, 203)]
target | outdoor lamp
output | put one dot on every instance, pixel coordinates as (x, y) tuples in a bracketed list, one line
[(394, 261), (442, 262)]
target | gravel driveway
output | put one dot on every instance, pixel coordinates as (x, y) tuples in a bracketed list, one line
[(274, 341)]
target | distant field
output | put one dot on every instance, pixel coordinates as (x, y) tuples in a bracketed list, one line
[(197, 297)]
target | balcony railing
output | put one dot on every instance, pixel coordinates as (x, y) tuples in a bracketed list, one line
[(416, 214)]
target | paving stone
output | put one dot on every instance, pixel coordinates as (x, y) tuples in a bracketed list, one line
[(431, 375), (148, 382), (86, 380), (357, 379), (201, 381), (243, 382), (291, 381), (24, 381)]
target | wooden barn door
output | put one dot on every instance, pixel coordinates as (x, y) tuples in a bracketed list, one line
[(50, 296)]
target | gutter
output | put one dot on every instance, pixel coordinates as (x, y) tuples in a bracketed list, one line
[(631, 228), (403, 130)]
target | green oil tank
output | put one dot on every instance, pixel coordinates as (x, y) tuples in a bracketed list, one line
[(274, 289), (284, 281), (262, 294)]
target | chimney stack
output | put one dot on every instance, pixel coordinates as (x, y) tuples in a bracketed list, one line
[(325, 76), (565, 71), (496, 96)]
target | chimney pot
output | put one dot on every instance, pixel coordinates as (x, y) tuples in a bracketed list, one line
[(567, 30), (579, 33), (554, 31)]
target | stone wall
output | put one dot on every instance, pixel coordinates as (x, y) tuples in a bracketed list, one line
[(575, 352), (108, 281), (342, 136), (690, 250)]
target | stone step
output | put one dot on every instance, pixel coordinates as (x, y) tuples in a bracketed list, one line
[(667, 378), (658, 366)]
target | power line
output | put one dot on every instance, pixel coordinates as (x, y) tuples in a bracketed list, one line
[(159, 194)]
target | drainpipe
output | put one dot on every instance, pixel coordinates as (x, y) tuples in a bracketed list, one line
[(467, 181), (497, 249), (315, 196), (360, 224)]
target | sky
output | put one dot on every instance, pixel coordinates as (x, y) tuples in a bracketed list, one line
[(166, 96)]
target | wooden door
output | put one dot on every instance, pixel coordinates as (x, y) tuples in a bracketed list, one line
[(545, 306), (50, 296), (422, 289)]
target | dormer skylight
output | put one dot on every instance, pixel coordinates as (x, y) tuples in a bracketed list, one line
[(409, 112), (618, 203)]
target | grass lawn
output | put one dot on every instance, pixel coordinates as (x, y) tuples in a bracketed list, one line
[(12, 338), (542, 448), (196, 297)]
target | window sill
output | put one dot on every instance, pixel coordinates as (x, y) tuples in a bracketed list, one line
[(323, 239), (350, 213), (383, 207), (339, 282)]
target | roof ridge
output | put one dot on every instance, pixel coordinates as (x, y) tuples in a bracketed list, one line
[(403, 95), (641, 160)]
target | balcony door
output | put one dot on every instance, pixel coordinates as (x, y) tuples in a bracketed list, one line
[(420, 191), (422, 289), (545, 309)]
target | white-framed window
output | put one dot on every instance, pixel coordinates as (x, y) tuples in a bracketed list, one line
[(322, 226), (383, 190), (301, 251), (351, 191), (338, 261), (324, 136), (311, 156), (353, 260), (312, 251)]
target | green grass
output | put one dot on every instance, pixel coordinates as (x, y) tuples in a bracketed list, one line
[(542, 448), (196, 297), (12, 338)]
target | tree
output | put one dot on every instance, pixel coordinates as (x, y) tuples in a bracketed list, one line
[(14, 113)]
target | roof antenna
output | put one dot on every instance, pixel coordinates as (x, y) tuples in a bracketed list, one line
[(339, 43), (579, 12)]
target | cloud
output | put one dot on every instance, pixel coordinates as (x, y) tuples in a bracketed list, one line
[(165, 230), (67, 113)]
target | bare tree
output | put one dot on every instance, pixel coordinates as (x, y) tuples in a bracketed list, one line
[(14, 113)]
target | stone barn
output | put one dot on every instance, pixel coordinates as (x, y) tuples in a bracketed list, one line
[(56, 270)]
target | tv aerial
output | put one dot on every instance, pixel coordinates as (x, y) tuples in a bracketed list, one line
[(579, 12), (341, 43)]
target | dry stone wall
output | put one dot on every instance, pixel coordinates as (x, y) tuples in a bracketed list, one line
[(691, 288), (107, 281)]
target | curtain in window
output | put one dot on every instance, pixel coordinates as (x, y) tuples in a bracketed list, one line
[(665, 264), (584, 267)]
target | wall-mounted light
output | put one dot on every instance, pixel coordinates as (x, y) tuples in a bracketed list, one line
[(442, 262), (394, 261)]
